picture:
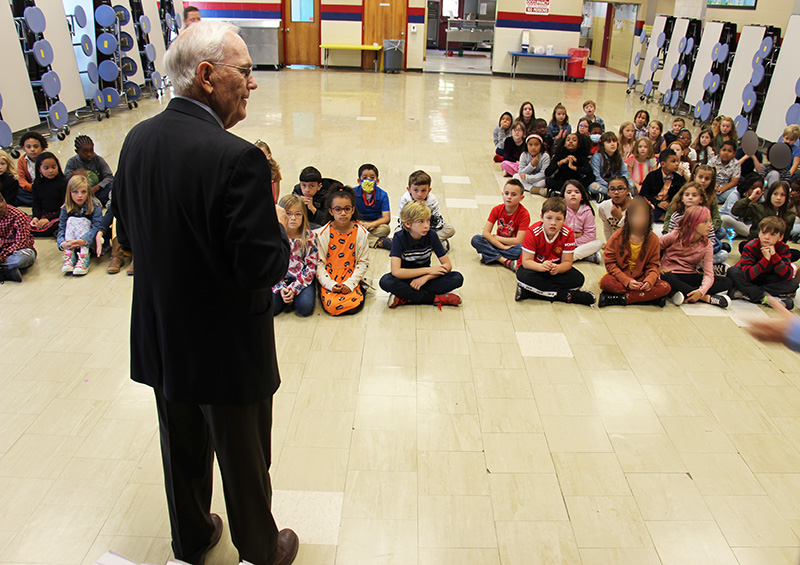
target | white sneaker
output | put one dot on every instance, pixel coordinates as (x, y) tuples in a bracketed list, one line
[(677, 298)]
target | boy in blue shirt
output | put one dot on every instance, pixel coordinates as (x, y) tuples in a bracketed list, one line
[(372, 204), (413, 280)]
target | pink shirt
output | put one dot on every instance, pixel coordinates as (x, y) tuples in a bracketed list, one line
[(685, 259), (582, 221), (639, 170)]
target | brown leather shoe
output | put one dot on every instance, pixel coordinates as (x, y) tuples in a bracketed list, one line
[(201, 559), (117, 258), (288, 544)]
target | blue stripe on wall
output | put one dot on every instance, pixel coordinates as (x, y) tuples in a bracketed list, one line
[(416, 19), (243, 14), (340, 16), (553, 26)]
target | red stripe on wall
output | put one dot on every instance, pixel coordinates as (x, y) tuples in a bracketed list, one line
[(534, 18), (255, 6), (416, 11), (341, 9)]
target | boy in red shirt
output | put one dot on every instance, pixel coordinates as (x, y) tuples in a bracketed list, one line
[(765, 267), (546, 271), (16, 242), (512, 221)]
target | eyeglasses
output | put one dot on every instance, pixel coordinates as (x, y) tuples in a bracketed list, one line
[(339, 209), (617, 188), (295, 215), (246, 71)]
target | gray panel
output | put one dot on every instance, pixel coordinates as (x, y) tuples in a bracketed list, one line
[(19, 107)]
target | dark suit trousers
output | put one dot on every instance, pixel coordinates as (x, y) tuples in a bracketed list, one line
[(240, 436)]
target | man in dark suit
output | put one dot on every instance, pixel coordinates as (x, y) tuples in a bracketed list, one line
[(209, 244)]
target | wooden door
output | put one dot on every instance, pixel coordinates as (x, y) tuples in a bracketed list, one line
[(301, 32), (383, 19), (608, 25)]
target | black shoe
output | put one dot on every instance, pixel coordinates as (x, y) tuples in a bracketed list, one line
[(518, 295), (384, 243), (726, 246), (608, 299), (720, 270), (661, 302), (600, 197), (787, 301), (720, 300), (12, 275), (446, 245), (581, 297), (737, 294)]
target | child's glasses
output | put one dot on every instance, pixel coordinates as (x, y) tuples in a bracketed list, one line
[(340, 209)]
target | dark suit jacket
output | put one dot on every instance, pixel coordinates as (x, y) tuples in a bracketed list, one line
[(194, 204), (654, 182)]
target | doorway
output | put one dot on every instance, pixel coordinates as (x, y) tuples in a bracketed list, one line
[(383, 19), (607, 30), (301, 32)]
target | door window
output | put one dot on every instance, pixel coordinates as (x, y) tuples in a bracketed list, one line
[(302, 11)]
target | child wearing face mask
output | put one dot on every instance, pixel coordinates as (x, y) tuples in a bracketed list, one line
[(595, 133), (607, 163), (372, 203), (532, 165), (570, 161)]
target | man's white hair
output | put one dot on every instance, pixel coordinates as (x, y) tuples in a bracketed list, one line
[(203, 41)]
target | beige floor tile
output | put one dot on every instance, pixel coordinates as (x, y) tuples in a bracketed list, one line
[(96, 384), (607, 521), (118, 439), (448, 342), (590, 474), (517, 453), (444, 368), (719, 386), (784, 490), (433, 319), (659, 371), (449, 432), (778, 402), (311, 468), (521, 497), (68, 417), (751, 521), (344, 339), (389, 541), (383, 450), (28, 397), (741, 417), (12, 426), (676, 400), (696, 435), (314, 516), (647, 453), (502, 383), (540, 543), (380, 494), (543, 344), (721, 474), (600, 358), (90, 482), (446, 398), (137, 549), (697, 543), (767, 453), (39, 457), (699, 359), (458, 556), (56, 534), (452, 472), (343, 365), (759, 373), (620, 556), (509, 415), (387, 381), (766, 555), (490, 331), (630, 416), (327, 394), (553, 370), (386, 413), (589, 333), (497, 356), (320, 428), (668, 496), (456, 522), (19, 498), (576, 434), (493, 310), (564, 400), (140, 510)]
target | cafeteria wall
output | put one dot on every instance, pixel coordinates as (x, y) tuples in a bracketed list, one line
[(341, 22)]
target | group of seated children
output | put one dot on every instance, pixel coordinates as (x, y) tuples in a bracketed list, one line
[(331, 227)]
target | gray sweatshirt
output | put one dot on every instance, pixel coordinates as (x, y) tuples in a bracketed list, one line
[(499, 135), (533, 174)]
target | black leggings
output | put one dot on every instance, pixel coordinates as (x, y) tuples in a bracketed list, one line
[(688, 282)]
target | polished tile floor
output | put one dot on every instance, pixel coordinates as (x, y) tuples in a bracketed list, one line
[(497, 432)]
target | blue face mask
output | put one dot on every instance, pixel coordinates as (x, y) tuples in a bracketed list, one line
[(595, 137)]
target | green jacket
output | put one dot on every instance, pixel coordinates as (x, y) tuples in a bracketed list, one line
[(757, 211)]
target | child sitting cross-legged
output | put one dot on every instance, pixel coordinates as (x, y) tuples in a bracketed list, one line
[(546, 271), (690, 195), (580, 219), (80, 220), (343, 255), (419, 188), (297, 289), (632, 257), (612, 211), (373, 206), (687, 249), (765, 267), (532, 164), (413, 280), (16, 242), (512, 221)]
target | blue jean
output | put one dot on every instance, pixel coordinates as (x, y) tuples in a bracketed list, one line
[(304, 301), (723, 196), (429, 291), (103, 193), (21, 259), (491, 253)]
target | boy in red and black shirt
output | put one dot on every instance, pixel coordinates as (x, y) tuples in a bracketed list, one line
[(512, 220), (16, 242), (765, 266), (546, 271)]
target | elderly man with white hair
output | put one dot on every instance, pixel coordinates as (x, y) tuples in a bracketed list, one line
[(209, 244)]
